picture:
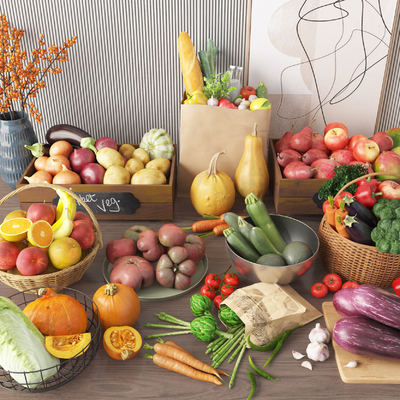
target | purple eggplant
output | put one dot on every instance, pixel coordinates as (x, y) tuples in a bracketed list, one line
[(366, 337), (69, 133), (343, 302), (358, 230), (377, 304), (355, 208)]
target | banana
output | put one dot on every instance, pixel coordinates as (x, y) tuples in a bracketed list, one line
[(65, 200), (65, 227)]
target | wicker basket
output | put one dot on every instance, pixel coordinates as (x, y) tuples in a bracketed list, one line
[(64, 277), (353, 261)]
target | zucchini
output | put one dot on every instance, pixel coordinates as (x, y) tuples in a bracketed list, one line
[(260, 216), (261, 242), (240, 245), (232, 220), (205, 65), (245, 228), (262, 91)]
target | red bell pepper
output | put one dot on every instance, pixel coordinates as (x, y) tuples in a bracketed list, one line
[(366, 195), (226, 104), (396, 286), (368, 181)]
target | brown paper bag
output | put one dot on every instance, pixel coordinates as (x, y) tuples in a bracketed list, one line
[(206, 130)]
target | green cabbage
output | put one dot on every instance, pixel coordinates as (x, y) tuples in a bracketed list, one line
[(22, 347)]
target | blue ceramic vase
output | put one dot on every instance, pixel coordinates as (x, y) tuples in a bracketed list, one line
[(14, 157)]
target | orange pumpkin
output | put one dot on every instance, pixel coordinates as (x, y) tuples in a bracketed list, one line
[(118, 305), (68, 346), (56, 314), (122, 342)]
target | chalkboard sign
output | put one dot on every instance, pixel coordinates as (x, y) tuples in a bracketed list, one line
[(107, 203)]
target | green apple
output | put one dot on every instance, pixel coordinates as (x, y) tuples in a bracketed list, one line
[(395, 135), (396, 150)]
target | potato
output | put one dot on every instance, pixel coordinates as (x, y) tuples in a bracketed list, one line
[(160, 163), (127, 150), (142, 155), (108, 156), (133, 165), (116, 175), (148, 177)]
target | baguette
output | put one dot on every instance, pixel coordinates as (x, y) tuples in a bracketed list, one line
[(191, 72)]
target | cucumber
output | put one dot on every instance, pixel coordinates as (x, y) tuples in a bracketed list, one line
[(272, 260), (240, 245), (260, 241), (232, 220), (262, 91)]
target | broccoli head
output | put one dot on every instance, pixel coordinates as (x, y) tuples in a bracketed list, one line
[(386, 236), (388, 209)]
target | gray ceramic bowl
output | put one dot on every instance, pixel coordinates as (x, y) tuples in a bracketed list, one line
[(291, 230)]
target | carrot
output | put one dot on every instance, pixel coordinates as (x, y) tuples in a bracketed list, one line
[(330, 212), (205, 225), (183, 356), (341, 227), (341, 212), (171, 343), (182, 368), (219, 230)]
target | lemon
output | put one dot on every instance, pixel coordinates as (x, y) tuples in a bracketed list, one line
[(260, 104)]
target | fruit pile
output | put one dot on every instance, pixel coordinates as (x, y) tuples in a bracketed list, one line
[(307, 154), (71, 161), (45, 238)]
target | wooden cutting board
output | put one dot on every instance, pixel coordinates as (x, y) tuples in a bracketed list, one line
[(368, 370)]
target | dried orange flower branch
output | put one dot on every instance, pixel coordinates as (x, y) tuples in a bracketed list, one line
[(21, 79)]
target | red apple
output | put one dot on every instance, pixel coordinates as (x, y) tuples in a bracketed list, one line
[(342, 156), (79, 215), (8, 255), (387, 162), (41, 211), (389, 190), (366, 150), (32, 261), (120, 247), (334, 125), (354, 139), (365, 164), (336, 139), (83, 233), (324, 168), (383, 140)]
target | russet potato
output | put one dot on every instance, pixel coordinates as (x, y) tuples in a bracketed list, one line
[(127, 150), (160, 163), (133, 165), (116, 175), (148, 176), (142, 155), (108, 156)]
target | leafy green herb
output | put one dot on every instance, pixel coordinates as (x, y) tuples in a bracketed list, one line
[(343, 174), (218, 86)]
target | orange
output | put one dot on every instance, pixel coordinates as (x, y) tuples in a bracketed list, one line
[(15, 229), (40, 234), (65, 252)]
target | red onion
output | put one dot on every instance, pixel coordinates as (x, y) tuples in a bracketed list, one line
[(80, 157), (92, 174)]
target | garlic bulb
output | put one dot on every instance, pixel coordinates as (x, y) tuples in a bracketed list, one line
[(317, 351), (319, 334)]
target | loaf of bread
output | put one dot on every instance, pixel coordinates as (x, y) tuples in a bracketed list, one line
[(191, 71)]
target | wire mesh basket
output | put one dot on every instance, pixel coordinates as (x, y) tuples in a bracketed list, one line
[(68, 369)]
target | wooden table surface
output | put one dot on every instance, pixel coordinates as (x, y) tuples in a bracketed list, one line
[(139, 378)]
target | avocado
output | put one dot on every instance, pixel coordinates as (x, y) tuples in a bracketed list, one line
[(296, 252), (272, 260)]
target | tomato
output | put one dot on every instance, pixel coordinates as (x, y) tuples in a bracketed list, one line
[(208, 291), (218, 300), (226, 290), (350, 284), (333, 282), (231, 279), (248, 91), (319, 290), (213, 280), (396, 286), (340, 196)]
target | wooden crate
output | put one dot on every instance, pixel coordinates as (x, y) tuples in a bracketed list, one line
[(291, 196), (113, 202)]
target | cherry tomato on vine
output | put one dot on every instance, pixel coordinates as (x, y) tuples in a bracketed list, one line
[(319, 290), (208, 291), (333, 282), (350, 284), (226, 290), (213, 280), (231, 279), (218, 300)]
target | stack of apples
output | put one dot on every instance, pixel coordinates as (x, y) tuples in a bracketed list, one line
[(307, 154)]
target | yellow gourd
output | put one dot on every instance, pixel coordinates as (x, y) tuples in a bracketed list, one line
[(212, 191), (251, 175)]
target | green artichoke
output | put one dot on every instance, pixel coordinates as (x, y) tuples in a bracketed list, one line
[(205, 328), (229, 317), (200, 305)]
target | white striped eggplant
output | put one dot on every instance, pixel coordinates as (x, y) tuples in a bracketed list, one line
[(366, 337), (343, 302)]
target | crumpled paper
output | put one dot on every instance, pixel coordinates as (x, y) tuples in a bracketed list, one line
[(268, 309)]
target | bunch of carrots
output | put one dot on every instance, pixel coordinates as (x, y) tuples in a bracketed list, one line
[(211, 225), (336, 212)]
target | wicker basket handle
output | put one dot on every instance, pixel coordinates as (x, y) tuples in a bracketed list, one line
[(55, 187), (361, 178)]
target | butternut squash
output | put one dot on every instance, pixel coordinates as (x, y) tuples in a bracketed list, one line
[(212, 191), (252, 175)]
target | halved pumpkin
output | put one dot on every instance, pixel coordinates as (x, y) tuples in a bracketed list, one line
[(68, 346), (122, 342)]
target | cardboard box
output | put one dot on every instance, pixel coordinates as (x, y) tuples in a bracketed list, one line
[(113, 202), (291, 196)]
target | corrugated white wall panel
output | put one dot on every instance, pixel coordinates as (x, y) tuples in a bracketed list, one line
[(124, 76)]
